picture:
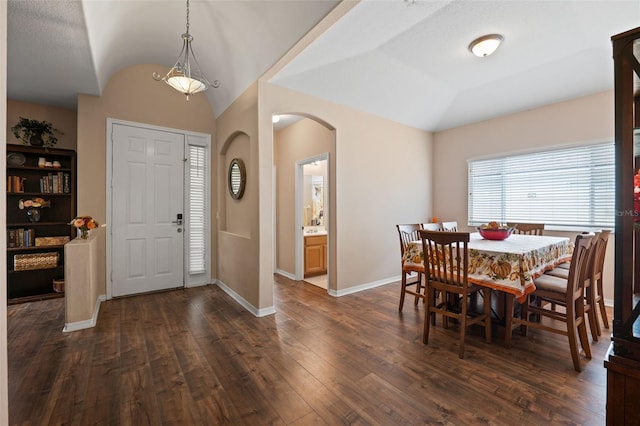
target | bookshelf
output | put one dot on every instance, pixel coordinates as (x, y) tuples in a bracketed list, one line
[(41, 201)]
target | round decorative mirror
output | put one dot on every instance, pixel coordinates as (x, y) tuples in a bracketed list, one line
[(237, 178)]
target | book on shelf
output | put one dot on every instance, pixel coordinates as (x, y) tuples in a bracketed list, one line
[(15, 183), (12, 238), (58, 183), (21, 237)]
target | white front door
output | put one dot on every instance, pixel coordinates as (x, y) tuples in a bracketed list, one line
[(147, 197)]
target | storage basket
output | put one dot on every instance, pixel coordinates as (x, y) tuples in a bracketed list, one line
[(24, 262)]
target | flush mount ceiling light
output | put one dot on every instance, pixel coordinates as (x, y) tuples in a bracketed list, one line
[(186, 76), (275, 118), (485, 45)]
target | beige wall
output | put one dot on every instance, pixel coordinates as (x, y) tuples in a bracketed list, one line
[(304, 139), (233, 218), (237, 135), (383, 177), (132, 95), (583, 120), (62, 119)]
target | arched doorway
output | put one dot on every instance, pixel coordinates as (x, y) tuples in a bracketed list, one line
[(298, 140)]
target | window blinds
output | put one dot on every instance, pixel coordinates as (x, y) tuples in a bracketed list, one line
[(197, 209), (571, 187)]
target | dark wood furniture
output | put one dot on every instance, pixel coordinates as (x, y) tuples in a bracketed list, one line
[(33, 261), (623, 359), (597, 276), (569, 293), (408, 233), (446, 254)]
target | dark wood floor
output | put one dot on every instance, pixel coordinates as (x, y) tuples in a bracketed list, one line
[(196, 357)]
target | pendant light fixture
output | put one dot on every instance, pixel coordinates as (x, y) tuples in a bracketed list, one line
[(185, 76)]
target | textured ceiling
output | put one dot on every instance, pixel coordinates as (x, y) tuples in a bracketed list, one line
[(57, 49), (406, 60)]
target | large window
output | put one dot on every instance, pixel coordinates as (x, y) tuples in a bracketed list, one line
[(572, 187)]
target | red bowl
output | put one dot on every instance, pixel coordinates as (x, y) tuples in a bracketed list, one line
[(495, 234)]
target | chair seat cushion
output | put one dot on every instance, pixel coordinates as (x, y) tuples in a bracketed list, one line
[(413, 268), (559, 272), (550, 283)]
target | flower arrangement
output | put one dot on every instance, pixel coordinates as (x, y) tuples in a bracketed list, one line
[(33, 203), (84, 224)]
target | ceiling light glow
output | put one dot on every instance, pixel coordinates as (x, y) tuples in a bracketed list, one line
[(485, 45)]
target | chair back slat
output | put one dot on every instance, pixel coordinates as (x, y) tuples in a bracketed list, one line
[(579, 273), (527, 228), (446, 256), (408, 233), (432, 226), (450, 226), (601, 251)]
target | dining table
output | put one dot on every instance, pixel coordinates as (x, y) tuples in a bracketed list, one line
[(511, 265)]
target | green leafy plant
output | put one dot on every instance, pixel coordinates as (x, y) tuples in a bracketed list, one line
[(35, 132)]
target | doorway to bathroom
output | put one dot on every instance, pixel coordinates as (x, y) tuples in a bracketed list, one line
[(312, 202)]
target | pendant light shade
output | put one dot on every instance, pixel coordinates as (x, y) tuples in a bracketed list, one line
[(185, 76)]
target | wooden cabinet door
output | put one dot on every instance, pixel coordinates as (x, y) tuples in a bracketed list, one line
[(315, 255), (313, 260)]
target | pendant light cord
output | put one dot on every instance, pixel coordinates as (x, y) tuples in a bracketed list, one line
[(187, 16)]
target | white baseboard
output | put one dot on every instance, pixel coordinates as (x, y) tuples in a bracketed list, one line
[(363, 287), (286, 274), (244, 303), (81, 325)]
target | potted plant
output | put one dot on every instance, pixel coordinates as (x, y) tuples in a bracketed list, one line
[(36, 133)]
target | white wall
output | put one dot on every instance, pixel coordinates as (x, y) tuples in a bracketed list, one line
[(579, 121)]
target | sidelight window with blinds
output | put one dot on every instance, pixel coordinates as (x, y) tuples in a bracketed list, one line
[(568, 188), (197, 210)]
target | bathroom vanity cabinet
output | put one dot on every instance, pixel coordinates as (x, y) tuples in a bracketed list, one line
[(315, 255)]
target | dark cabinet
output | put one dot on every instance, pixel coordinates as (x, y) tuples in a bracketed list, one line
[(41, 202), (623, 358)]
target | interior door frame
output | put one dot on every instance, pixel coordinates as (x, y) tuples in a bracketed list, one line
[(299, 237), (109, 194)]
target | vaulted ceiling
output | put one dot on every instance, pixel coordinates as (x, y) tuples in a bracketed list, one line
[(406, 60)]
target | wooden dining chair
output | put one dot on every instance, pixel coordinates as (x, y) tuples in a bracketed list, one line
[(567, 292), (527, 228), (446, 263), (432, 226), (598, 276), (408, 233), (450, 226), (589, 286)]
